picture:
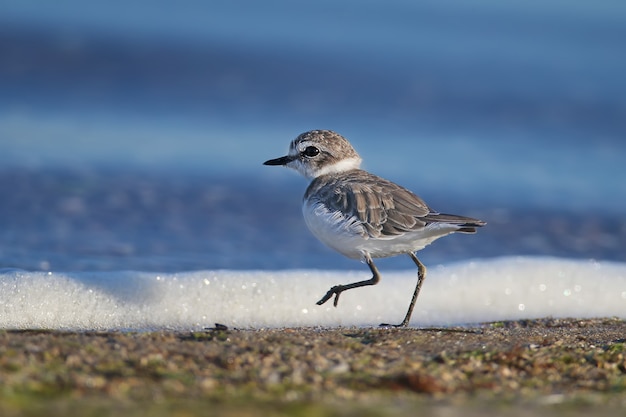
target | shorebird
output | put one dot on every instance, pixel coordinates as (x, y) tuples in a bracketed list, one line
[(361, 215)]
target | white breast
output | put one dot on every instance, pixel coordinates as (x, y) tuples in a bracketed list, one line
[(342, 233)]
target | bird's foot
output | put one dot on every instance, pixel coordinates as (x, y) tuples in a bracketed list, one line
[(403, 324), (336, 291)]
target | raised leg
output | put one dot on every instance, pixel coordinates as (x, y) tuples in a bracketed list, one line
[(421, 274), (338, 289)]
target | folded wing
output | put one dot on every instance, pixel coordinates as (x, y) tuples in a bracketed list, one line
[(383, 208)]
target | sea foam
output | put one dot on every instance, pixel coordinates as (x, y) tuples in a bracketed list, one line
[(460, 293)]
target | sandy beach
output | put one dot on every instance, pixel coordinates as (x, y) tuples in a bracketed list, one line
[(536, 366)]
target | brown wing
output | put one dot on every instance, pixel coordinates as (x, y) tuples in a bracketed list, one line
[(383, 208)]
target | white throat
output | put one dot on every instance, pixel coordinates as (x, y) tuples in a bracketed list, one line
[(346, 164)]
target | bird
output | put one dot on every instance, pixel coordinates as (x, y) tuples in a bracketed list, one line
[(361, 215)]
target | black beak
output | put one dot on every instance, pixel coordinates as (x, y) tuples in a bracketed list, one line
[(283, 160)]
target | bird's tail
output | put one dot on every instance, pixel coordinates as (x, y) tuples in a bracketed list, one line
[(465, 224)]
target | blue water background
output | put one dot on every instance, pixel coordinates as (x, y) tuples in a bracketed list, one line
[(132, 133)]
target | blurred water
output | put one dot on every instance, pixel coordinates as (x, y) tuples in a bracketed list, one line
[(132, 133), (86, 221)]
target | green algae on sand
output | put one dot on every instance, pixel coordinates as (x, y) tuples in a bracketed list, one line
[(545, 364)]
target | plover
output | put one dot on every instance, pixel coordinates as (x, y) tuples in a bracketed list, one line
[(361, 215)]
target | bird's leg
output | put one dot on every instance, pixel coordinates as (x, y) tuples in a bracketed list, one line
[(338, 289), (421, 274)]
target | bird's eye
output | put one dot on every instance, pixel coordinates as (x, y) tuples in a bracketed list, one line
[(310, 151)]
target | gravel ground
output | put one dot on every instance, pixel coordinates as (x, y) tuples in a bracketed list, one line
[(544, 366)]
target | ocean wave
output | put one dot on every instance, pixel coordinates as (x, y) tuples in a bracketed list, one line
[(466, 292)]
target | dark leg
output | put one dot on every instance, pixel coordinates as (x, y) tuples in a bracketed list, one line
[(421, 274), (338, 289)]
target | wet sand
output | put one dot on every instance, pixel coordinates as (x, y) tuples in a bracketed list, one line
[(540, 365)]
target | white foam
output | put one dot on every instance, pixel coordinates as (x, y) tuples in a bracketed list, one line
[(466, 292)]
